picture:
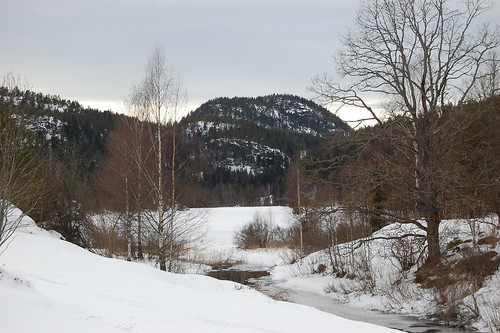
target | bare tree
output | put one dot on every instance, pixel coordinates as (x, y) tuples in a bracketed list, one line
[(138, 153), (421, 56), (488, 85), (117, 181), (161, 96), (21, 167)]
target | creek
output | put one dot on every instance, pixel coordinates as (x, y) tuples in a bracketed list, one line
[(262, 281)]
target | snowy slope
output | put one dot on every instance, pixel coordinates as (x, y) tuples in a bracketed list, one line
[(49, 285)]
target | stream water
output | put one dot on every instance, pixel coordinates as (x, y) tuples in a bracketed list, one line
[(263, 282)]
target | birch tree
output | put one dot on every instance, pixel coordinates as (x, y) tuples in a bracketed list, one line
[(161, 96)]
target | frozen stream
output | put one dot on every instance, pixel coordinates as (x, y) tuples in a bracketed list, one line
[(408, 324), (224, 222)]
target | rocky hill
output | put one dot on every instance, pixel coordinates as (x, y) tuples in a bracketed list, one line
[(67, 129), (248, 143), (287, 112)]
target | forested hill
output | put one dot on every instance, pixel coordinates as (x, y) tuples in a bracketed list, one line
[(66, 127), (287, 112), (70, 143), (247, 144), (239, 149)]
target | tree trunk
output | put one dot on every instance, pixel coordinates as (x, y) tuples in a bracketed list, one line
[(434, 256), (161, 229), (128, 220), (138, 203), (172, 202), (433, 217), (140, 255), (301, 231), (432, 206)]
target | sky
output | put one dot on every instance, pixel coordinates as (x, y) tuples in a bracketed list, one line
[(95, 51)]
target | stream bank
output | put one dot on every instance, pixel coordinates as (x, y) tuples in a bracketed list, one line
[(263, 282), (409, 324)]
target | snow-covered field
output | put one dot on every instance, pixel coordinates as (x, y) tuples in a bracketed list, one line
[(49, 285), (222, 224)]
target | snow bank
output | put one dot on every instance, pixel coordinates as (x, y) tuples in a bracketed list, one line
[(49, 285), (377, 280)]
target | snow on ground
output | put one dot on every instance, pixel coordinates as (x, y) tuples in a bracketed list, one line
[(377, 281), (50, 285)]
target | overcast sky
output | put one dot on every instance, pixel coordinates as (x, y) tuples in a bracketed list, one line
[(95, 50)]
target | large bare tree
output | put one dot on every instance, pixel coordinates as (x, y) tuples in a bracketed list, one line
[(418, 56)]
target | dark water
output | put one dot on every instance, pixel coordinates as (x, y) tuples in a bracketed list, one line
[(240, 276), (263, 282)]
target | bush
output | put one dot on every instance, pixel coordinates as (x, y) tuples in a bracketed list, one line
[(258, 233)]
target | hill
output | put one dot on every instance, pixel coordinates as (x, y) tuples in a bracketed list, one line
[(70, 141), (66, 127), (247, 144), (287, 112)]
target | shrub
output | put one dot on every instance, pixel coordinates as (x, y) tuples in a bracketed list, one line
[(258, 233)]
